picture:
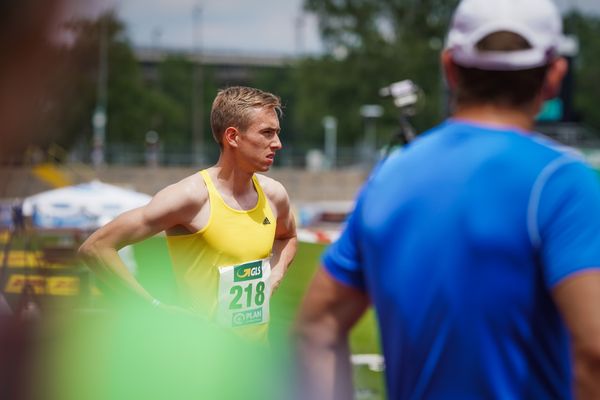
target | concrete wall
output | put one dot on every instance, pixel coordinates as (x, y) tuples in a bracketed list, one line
[(302, 186)]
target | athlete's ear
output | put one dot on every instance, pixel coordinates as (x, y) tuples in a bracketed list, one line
[(554, 76), (450, 73), (230, 137)]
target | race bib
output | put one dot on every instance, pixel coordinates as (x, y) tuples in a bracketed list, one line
[(244, 292)]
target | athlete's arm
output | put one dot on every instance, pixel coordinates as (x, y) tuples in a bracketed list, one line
[(568, 227), (170, 207), (286, 242), (578, 297), (328, 312)]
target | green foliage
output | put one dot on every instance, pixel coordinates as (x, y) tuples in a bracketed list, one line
[(372, 43), (135, 104), (73, 95), (175, 84), (280, 80), (76, 85), (128, 103), (369, 44), (587, 84)]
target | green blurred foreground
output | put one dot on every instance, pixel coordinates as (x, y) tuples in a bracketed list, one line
[(143, 353)]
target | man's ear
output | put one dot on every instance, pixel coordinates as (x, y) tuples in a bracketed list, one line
[(450, 73), (556, 72), (230, 137)]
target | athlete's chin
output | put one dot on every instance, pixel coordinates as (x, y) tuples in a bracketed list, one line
[(263, 167), (260, 168)]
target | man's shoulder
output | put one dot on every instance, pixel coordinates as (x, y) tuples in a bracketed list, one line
[(558, 148), (190, 190), (266, 181), (272, 188)]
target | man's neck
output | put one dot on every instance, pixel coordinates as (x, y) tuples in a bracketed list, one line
[(496, 115), (231, 179)]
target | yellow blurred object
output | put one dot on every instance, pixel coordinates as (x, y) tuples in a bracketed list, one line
[(29, 259), (54, 285), (51, 175), (23, 259), (4, 235)]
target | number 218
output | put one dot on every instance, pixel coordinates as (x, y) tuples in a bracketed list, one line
[(237, 292)]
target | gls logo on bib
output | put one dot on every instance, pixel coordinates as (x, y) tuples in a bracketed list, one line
[(246, 272)]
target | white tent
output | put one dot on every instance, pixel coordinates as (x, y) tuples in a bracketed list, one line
[(85, 206)]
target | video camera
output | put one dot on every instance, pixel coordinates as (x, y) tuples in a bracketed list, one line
[(406, 95)]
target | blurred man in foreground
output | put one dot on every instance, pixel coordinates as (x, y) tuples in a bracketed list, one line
[(225, 225), (483, 262)]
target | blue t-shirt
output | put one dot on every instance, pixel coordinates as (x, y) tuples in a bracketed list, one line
[(458, 240)]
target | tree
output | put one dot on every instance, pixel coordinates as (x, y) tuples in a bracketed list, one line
[(370, 44), (174, 83), (75, 91), (134, 105), (280, 81), (587, 88)]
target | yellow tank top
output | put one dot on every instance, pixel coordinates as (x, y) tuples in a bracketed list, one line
[(230, 237)]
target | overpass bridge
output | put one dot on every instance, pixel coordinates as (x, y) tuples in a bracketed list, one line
[(231, 67)]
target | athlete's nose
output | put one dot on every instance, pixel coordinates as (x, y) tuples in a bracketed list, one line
[(276, 143)]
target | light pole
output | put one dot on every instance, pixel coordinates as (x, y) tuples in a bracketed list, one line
[(330, 145), (155, 36), (152, 148), (369, 113), (299, 34), (99, 118), (197, 98)]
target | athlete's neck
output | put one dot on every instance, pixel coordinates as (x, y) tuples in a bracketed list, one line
[(496, 115), (234, 180)]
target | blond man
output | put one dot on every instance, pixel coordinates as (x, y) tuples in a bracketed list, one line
[(230, 232)]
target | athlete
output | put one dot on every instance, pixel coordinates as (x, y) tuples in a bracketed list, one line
[(230, 232), (483, 261)]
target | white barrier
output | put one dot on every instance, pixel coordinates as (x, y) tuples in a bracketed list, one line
[(375, 362), (320, 236)]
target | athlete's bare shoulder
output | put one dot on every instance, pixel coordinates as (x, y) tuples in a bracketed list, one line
[(189, 194), (274, 190), (193, 189), (278, 197)]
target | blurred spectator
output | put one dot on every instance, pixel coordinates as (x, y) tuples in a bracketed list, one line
[(18, 219), (482, 261), (26, 29)]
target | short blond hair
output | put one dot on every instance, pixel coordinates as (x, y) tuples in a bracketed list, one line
[(233, 106)]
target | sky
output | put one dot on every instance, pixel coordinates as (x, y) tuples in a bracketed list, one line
[(258, 26), (264, 26)]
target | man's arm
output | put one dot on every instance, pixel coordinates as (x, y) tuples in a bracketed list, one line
[(170, 207), (328, 312), (578, 299), (286, 242)]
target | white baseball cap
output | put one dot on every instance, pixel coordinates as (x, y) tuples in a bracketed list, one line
[(537, 21)]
